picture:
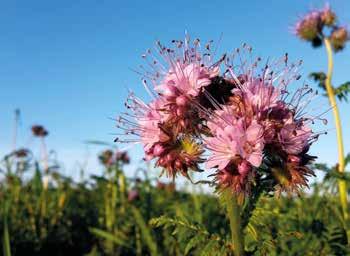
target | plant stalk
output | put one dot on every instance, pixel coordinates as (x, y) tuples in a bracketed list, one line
[(333, 103), (15, 128), (234, 215)]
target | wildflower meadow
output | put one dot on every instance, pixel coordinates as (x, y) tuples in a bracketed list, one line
[(213, 151)]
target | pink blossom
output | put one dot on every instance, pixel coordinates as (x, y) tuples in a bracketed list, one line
[(186, 79), (244, 120), (222, 117), (150, 131), (236, 142), (310, 26), (258, 95), (244, 168), (294, 139)]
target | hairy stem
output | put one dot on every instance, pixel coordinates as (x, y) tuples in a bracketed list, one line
[(234, 214), (333, 103)]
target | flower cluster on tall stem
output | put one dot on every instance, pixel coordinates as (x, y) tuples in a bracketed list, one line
[(40, 132), (334, 41), (109, 158), (313, 27)]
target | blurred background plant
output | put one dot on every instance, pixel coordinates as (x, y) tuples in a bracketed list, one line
[(321, 27), (112, 214), (44, 212)]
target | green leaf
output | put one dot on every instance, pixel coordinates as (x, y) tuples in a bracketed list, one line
[(193, 243), (342, 91), (93, 252), (145, 231), (252, 231), (118, 238), (347, 159), (320, 78)]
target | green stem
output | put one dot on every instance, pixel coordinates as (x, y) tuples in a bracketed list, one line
[(333, 103), (247, 211), (233, 213), (6, 245)]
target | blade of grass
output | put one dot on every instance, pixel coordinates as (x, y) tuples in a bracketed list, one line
[(145, 232)]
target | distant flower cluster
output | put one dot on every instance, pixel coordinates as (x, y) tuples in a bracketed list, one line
[(39, 131), (21, 153), (109, 157), (313, 27), (232, 115)]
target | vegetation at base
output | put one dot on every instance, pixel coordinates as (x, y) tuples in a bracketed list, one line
[(115, 215)]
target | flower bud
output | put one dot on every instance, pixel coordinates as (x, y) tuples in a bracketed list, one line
[(162, 161), (328, 17), (188, 160), (225, 176), (133, 195), (180, 112), (21, 153), (170, 91), (309, 27), (122, 157), (338, 38), (106, 157), (293, 159), (158, 150), (244, 167), (170, 157), (39, 131), (149, 156), (178, 164), (181, 101)]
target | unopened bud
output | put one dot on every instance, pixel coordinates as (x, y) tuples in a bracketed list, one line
[(181, 101), (170, 91), (328, 17), (338, 38), (158, 150)]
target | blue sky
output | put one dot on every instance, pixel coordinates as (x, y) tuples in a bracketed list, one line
[(66, 64)]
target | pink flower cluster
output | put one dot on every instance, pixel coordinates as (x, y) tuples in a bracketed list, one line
[(227, 117), (312, 26), (257, 123)]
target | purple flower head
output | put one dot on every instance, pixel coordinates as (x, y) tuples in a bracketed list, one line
[(309, 27), (312, 26), (232, 116)]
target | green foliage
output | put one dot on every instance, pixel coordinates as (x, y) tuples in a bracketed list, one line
[(96, 217), (145, 231), (341, 91), (196, 238), (6, 237), (118, 238), (302, 226)]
